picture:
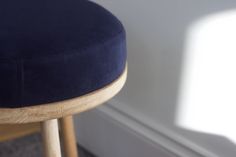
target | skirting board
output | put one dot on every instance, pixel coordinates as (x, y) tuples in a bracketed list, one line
[(110, 131)]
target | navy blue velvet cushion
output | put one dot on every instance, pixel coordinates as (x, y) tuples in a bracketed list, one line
[(52, 50)]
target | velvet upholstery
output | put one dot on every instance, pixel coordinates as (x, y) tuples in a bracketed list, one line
[(52, 50)]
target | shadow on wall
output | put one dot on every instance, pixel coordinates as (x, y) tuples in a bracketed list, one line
[(157, 37)]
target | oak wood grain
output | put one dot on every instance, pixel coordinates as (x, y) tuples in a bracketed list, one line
[(12, 131)]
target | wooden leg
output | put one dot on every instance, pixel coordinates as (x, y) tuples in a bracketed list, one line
[(68, 136), (50, 134)]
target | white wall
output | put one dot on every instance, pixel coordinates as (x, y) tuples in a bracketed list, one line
[(156, 31)]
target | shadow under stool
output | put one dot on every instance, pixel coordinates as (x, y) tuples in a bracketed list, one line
[(57, 58)]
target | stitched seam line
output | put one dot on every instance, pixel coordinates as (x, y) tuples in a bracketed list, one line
[(20, 77)]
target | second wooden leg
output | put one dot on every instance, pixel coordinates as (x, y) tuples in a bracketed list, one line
[(68, 136), (50, 134)]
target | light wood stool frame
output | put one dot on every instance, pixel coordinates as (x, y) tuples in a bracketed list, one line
[(49, 114)]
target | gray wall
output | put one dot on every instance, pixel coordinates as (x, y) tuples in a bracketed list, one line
[(156, 33)]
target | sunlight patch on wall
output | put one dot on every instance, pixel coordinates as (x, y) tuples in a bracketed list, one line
[(207, 100)]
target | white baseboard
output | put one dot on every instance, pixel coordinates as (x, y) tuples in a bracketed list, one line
[(109, 131)]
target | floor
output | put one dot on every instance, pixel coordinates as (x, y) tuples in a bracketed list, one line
[(29, 146)]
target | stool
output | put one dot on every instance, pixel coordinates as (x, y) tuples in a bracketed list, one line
[(58, 58)]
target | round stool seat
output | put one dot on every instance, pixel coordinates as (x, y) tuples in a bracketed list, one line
[(56, 50)]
